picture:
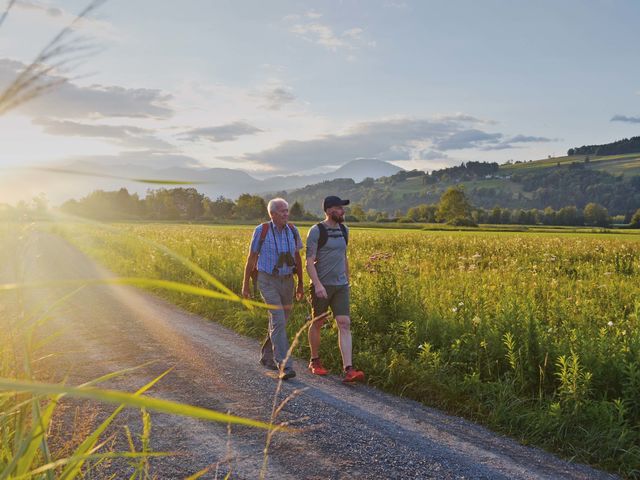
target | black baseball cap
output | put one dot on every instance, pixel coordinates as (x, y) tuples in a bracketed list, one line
[(333, 201)]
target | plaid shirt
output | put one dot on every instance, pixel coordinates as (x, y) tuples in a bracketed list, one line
[(273, 246)]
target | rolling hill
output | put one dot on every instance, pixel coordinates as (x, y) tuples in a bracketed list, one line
[(612, 181)]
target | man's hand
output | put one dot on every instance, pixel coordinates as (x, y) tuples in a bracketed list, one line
[(250, 265), (300, 291), (320, 291)]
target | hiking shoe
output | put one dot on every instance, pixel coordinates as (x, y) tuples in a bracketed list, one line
[(316, 367), (351, 375), (287, 374), (267, 364)]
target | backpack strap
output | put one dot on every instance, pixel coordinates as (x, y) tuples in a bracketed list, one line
[(296, 234), (345, 234), (324, 235), (265, 230), (263, 235), (254, 273)]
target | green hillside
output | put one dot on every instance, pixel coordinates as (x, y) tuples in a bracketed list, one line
[(628, 164), (612, 181)]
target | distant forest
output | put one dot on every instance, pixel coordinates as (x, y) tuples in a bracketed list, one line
[(486, 187), (563, 194), (186, 204), (626, 145)]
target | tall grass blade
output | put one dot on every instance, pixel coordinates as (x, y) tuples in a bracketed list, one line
[(74, 468), (129, 400), (99, 456), (137, 282)]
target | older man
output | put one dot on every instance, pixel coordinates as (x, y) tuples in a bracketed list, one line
[(275, 253)]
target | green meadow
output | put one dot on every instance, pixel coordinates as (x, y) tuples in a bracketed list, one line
[(534, 334)]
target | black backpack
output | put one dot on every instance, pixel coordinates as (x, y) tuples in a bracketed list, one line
[(324, 234)]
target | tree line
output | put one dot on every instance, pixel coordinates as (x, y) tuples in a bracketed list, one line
[(592, 214), (626, 145), (175, 204), (453, 207)]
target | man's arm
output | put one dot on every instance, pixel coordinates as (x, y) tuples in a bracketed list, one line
[(312, 251), (249, 266), (313, 275), (346, 266), (300, 287)]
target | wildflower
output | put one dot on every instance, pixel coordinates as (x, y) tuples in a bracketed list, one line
[(610, 323), (454, 309)]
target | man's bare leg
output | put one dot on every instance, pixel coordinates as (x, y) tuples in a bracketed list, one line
[(344, 339), (314, 338)]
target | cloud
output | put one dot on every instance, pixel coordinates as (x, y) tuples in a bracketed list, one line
[(470, 138), (624, 118), (398, 139), (322, 34), (395, 139), (277, 97), (221, 133), (319, 34), (508, 143), (429, 155), (71, 100), (463, 117), (68, 128), (529, 139), (499, 146), (312, 14), (125, 135), (143, 158)]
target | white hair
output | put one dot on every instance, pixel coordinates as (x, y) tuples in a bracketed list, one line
[(275, 202)]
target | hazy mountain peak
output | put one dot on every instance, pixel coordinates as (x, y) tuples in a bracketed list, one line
[(362, 168)]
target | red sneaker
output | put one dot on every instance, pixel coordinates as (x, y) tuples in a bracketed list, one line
[(351, 375), (316, 367)]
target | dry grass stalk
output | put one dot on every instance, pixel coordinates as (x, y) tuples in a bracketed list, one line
[(277, 407), (61, 54)]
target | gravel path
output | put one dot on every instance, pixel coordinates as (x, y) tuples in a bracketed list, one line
[(345, 431)]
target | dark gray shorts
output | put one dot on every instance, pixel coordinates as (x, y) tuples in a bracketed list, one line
[(338, 300)]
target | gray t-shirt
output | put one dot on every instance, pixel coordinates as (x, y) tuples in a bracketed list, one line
[(331, 259)]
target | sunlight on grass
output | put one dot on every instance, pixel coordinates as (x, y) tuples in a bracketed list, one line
[(27, 405)]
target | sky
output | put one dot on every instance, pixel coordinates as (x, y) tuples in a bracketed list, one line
[(284, 87)]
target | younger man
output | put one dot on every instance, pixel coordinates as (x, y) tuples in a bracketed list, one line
[(328, 269)]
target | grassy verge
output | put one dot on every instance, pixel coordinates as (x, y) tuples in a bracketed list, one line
[(29, 405)]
